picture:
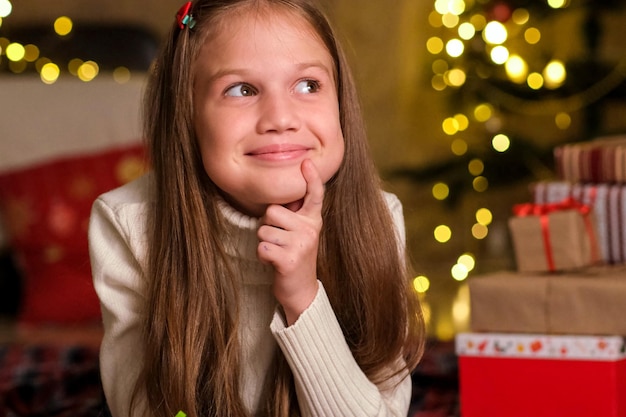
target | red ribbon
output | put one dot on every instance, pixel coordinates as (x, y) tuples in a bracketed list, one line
[(542, 210)]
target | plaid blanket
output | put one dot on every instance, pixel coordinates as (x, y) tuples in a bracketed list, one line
[(64, 381), (55, 381)]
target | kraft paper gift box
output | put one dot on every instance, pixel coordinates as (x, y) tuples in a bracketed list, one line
[(553, 237), (608, 202), (587, 302), (510, 375), (596, 196)]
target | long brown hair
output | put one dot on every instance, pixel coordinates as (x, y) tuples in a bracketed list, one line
[(191, 357)]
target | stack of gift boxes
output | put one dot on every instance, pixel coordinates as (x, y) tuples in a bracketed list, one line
[(547, 340)]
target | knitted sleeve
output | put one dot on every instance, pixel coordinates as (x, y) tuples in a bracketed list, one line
[(329, 382), (118, 279)]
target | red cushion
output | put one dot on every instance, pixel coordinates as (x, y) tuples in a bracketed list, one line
[(45, 209)]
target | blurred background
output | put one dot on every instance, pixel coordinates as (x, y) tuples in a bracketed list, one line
[(464, 100)]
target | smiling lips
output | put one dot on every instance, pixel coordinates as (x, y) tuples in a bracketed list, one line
[(280, 152)]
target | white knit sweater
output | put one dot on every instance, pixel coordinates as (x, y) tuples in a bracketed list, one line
[(329, 382)]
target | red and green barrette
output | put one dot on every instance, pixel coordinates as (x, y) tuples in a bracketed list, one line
[(184, 17)]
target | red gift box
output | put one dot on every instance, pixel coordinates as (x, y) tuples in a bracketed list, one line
[(514, 375)]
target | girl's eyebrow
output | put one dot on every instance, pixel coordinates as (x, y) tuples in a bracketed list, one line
[(247, 71)]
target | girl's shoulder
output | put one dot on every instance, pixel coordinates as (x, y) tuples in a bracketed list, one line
[(393, 202), (136, 191)]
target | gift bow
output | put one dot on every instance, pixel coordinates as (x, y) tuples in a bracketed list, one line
[(534, 209), (542, 210)]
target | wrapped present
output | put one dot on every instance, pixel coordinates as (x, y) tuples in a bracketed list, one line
[(598, 161), (554, 237), (587, 302), (541, 375), (605, 201)]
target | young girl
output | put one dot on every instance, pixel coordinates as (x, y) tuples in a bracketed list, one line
[(259, 269)]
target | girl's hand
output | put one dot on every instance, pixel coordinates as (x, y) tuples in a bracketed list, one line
[(289, 242)]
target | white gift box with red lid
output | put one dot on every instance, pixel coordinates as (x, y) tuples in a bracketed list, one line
[(526, 375)]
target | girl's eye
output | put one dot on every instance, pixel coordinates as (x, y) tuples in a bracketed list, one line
[(307, 87), (240, 90)]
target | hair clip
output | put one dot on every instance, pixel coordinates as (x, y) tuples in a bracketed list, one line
[(184, 18)]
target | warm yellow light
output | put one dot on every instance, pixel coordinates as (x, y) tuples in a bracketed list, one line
[(438, 82), (479, 231), (455, 48), (31, 53), (520, 16), (49, 73), (440, 66), (557, 4), (476, 167), (459, 272), (462, 121), (468, 260), (483, 112), (480, 184), (442, 233), (121, 75), (499, 54), (455, 77), (450, 126), (516, 69), (74, 65), (421, 284), (532, 35), (479, 21), (484, 216), (501, 142), (554, 74), (63, 25), (461, 308), (88, 71), (434, 45), (40, 63), (563, 121), (444, 329), (456, 7), (441, 191), (5, 8), (467, 30), (495, 33), (535, 81), (434, 19), (441, 6), (15, 51), (458, 147), (450, 20)]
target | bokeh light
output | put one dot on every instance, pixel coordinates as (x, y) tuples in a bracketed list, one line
[(459, 147), (563, 121), (49, 73), (5, 8), (441, 191), (63, 26), (501, 142), (421, 284), (443, 233), (484, 216)]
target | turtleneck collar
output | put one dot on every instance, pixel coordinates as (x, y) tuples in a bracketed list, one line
[(241, 239)]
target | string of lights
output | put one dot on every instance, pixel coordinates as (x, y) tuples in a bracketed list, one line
[(20, 58), (491, 57)]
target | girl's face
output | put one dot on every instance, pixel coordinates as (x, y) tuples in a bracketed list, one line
[(265, 100)]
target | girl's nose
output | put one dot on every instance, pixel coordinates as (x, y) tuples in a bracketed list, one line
[(278, 113)]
